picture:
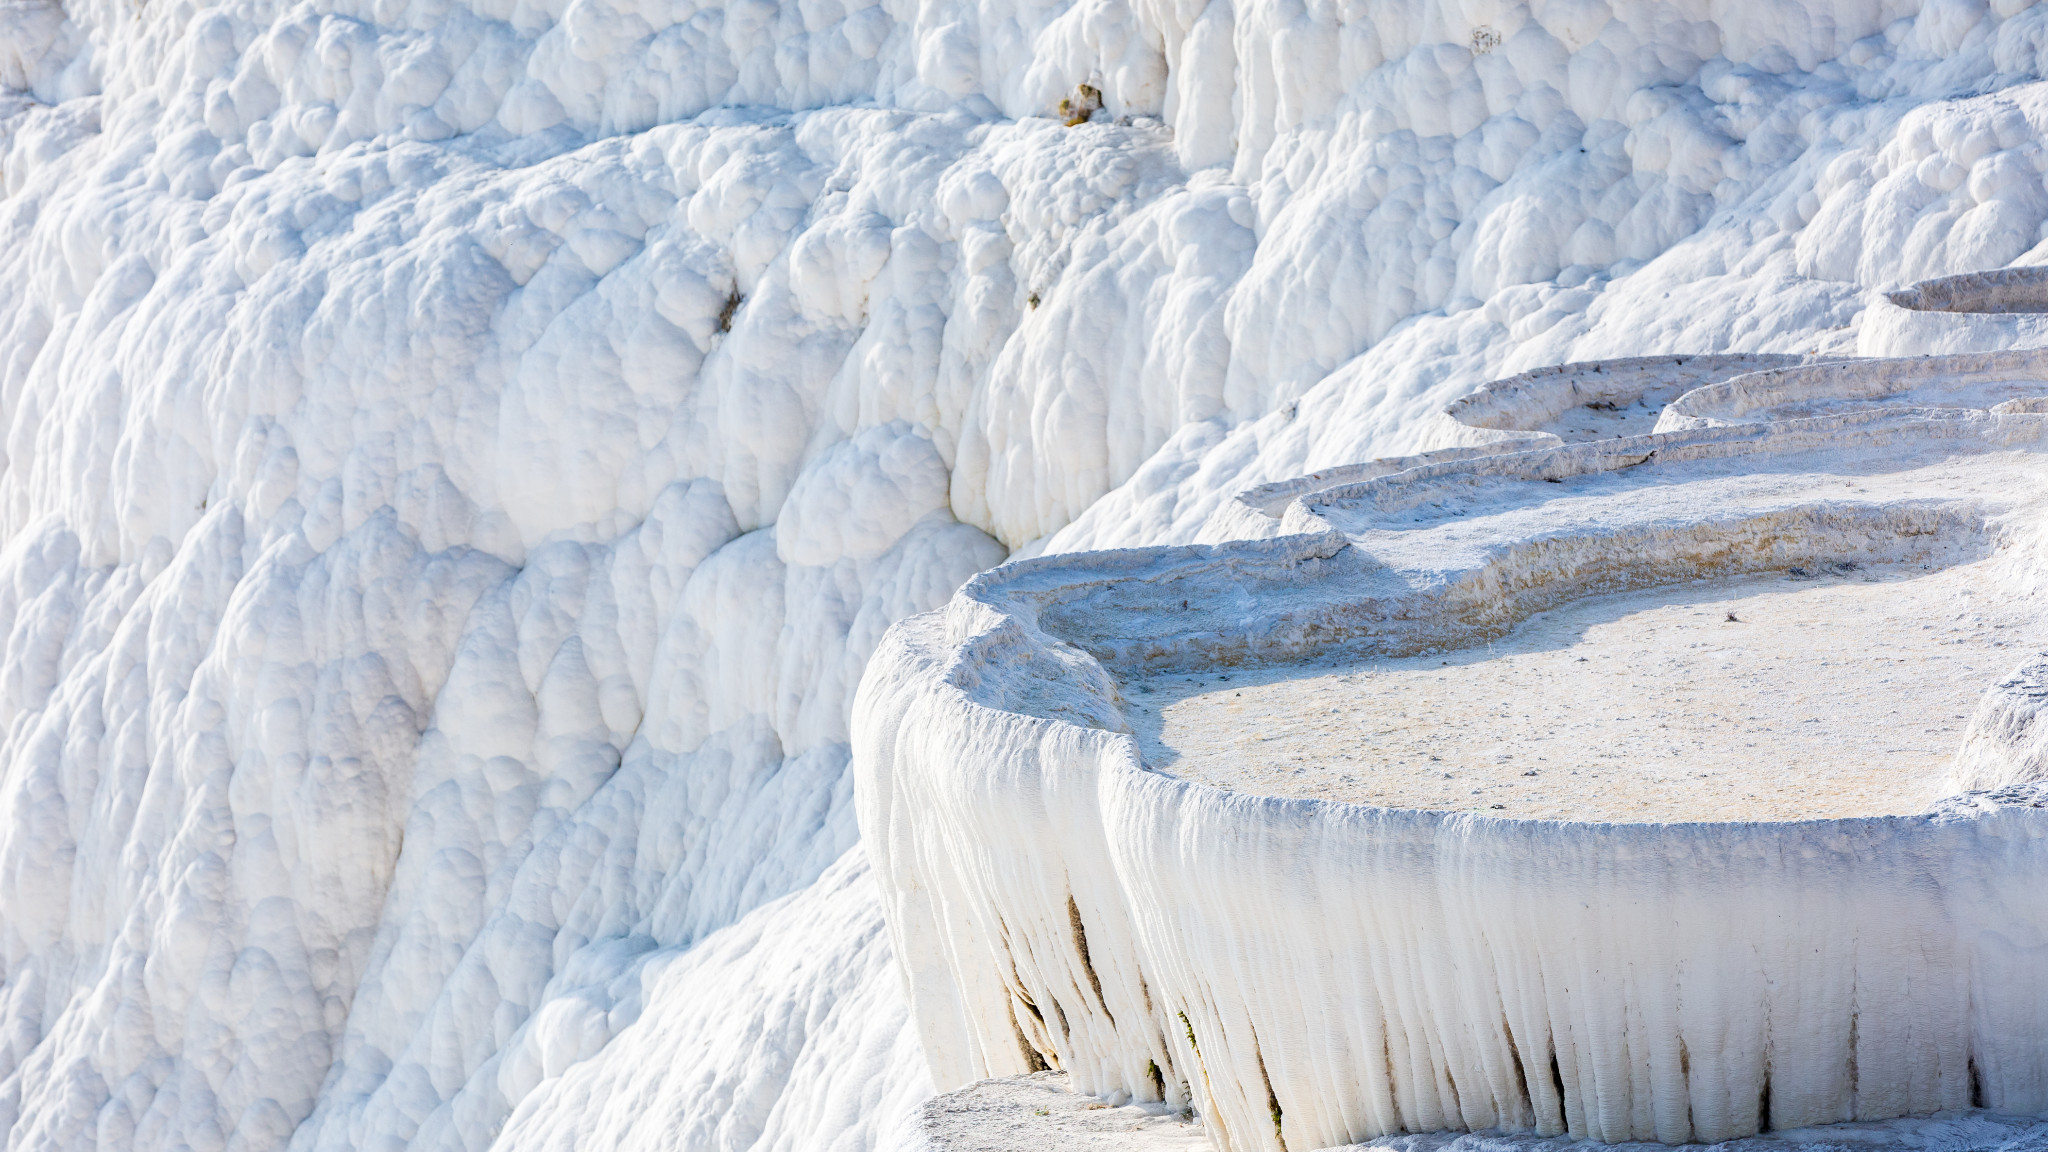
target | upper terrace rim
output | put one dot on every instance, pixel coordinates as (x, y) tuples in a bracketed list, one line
[(1020, 592)]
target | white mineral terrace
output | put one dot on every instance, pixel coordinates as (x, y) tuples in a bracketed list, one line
[(1826, 693), (2002, 381), (1677, 787)]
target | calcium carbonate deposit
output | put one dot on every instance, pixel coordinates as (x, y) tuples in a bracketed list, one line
[(459, 457), (1676, 787), (1781, 696)]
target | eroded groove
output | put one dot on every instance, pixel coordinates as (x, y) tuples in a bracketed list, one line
[(1521, 1077), (1208, 1086), (1387, 1054), (1034, 1060), (1272, 1100), (1685, 1078), (1855, 1112), (1087, 963)]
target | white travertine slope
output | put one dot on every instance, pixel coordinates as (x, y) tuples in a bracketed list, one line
[(459, 455)]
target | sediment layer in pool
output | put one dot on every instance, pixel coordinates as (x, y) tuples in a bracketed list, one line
[(1841, 691)]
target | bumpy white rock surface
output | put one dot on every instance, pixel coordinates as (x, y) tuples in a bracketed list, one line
[(1036, 1112), (459, 455)]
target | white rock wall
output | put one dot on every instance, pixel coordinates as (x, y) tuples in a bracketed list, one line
[(423, 617), (1311, 974)]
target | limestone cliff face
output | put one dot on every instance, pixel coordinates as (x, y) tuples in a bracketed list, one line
[(457, 457)]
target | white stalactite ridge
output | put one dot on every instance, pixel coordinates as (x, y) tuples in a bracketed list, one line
[(459, 457)]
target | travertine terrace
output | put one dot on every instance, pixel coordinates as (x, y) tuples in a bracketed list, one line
[(1619, 787), (458, 459)]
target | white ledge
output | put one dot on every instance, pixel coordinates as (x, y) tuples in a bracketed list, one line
[(1309, 973)]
